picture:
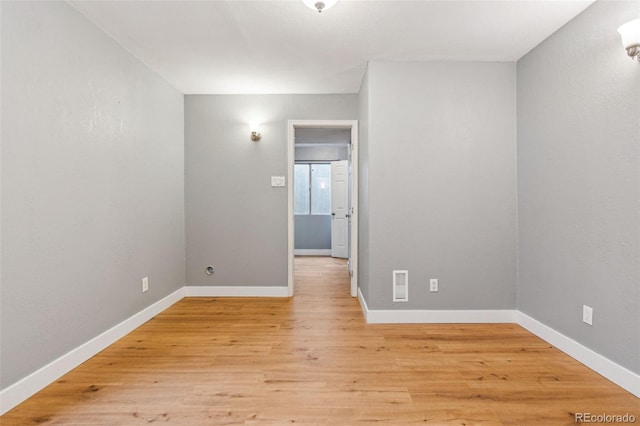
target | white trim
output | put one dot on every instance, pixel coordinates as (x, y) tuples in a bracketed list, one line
[(291, 161), (332, 124), (347, 124), (619, 375), (310, 252), (355, 182), (236, 291), (420, 316), (322, 144), (363, 306), (34, 382), (398, 316)]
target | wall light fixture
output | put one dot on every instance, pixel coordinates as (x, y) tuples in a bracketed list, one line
[(255, 134), (630, 33)]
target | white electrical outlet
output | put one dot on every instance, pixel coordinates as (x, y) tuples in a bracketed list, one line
[(433, 285), (145, 284), (587, 314)]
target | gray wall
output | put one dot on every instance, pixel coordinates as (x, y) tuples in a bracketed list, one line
[(579, 183), (313, 232), (235, 219), (322, 153), (441, 172), (92, 185)]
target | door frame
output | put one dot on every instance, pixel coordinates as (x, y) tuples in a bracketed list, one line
[(353, 241)]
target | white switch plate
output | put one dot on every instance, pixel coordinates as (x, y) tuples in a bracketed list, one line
[(278, 181), (587, 314), (433, 285), (145, 284)]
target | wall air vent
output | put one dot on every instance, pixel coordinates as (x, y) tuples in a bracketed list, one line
[(400, 286)]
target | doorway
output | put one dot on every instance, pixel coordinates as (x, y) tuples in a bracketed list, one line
[(343, 219)]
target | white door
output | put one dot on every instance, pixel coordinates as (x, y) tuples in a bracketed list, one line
[(340, 209)]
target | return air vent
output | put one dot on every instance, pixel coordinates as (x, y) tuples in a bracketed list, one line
[(400, 286)]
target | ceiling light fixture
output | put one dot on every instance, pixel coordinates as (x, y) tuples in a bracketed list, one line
[(630, 33), (320, 5)]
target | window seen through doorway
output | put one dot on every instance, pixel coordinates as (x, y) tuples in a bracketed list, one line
[(312, 189)]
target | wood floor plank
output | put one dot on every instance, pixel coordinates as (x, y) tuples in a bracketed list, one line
[(312, 359)]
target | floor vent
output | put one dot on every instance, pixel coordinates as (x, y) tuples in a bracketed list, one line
[(400, 286)]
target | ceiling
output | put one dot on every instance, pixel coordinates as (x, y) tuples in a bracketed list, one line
[(253, 47)]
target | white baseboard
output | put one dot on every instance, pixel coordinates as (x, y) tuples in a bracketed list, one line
[(34, 382), (309, 252), (619, 375), (232, 291), (417, 316), (363, 304)]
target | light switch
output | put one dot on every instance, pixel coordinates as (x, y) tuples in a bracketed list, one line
[(277, 181)]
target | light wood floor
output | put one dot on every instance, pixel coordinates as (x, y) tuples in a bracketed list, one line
[(313, 360)]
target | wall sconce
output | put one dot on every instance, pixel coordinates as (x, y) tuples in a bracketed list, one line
[(630, 33), (255, 134)]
